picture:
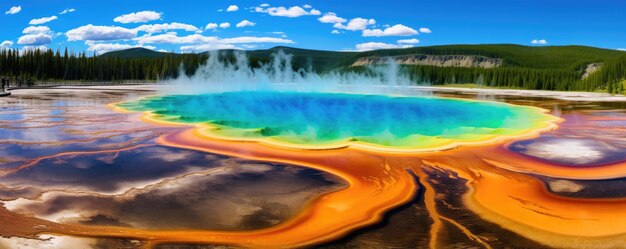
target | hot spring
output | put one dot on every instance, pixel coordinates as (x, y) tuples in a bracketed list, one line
[(329, 120), (271, 156)]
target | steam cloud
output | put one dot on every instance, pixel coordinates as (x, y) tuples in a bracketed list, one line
[(220, 75), (272, 100)]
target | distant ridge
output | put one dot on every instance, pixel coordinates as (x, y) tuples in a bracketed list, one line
[(136, 53), (547, 57)]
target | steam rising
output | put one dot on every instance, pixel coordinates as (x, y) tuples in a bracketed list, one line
[(273, 101), (220, 75)]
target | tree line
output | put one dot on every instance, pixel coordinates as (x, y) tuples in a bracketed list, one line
[(523, 78), (46, 65), (42, 65), (611, 75)]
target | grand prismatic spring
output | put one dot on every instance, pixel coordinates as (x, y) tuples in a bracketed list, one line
[(165, 173), (193, 165)]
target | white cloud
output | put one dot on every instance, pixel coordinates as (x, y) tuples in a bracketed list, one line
[(245, 23), (395, 30), (211, 26), (156, 28), (137, 17), (198, 42), (356, 24), (32, 48), (232, 8), (568, 150), (294, 11), (282, 34), (306, 6), (65, 11), (409, 41), (425, 30), (334, 31), (206, 47), (36, 30), (13, 10), (173, 38), (229, 43), (35, 39), (250, 46), (331, 17), (254, 39), (224, 25), (621, 49), (101, 48), (378, 45), (264, 5), (100, 33), (6, 44), (42, 20), (539, 42)]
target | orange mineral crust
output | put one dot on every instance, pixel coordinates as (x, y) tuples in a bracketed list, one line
[(523, 204), (495, 187), (499, 191), (375, 185)]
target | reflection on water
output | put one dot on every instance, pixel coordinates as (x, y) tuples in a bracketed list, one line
[(232, 195), (570, 150), (68, 158), (71, 165)]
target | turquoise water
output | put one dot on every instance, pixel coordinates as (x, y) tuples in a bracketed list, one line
[(321, 118)]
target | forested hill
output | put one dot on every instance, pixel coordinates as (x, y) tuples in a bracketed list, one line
[(137, 53), (548, 67), (576, 68)]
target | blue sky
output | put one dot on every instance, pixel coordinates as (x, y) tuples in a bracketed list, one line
[(199, 25)]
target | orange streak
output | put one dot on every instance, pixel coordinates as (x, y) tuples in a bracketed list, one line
[(431, 206), (35, 161)]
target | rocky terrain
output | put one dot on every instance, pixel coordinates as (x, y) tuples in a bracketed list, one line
[(434, 60), (591, 68)]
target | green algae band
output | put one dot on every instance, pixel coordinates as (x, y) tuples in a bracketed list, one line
[(327, 119)]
